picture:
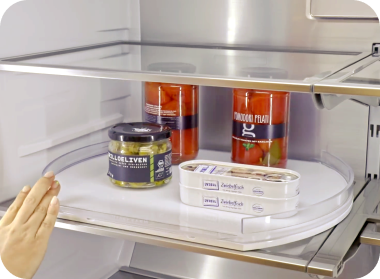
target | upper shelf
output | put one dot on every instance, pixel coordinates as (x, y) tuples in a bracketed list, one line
[(362, 78), (221, 66)]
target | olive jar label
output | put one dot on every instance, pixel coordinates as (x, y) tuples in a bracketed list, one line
[(140, 169)]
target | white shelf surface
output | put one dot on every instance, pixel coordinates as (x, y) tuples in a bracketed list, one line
[(88, 196)]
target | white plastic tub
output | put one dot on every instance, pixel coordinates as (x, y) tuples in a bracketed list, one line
[(218, 177), (250, 205)]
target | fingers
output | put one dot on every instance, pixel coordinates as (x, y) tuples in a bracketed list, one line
[(15, 207), (40, 212), (34, 198), (48, 224)]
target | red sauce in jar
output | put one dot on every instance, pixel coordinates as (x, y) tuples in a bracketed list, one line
[(176, 106), (260, 133)]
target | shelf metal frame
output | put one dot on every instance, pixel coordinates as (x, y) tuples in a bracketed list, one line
[(331, 257), (335, 84), (18, 64)]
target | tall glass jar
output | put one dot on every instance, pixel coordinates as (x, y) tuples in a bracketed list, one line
[(176, 106), (260, 123)]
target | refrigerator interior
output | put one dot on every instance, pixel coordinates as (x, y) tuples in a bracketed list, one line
[(80, 255), (47, 120)]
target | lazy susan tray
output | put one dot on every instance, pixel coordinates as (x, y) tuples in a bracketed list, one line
[(88, 196)]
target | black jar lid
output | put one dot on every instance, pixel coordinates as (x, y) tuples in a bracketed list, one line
[(139, 132)]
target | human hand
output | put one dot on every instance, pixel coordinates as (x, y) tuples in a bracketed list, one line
[(26, 227)]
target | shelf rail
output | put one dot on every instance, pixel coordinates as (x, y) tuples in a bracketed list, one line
[(331, 258)]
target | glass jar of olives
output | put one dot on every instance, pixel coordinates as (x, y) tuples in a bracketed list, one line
[(140, 155)]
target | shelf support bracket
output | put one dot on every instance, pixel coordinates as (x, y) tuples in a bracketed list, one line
[(373, 146)]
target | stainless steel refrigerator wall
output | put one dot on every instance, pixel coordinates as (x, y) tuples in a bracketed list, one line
[(273, 25)]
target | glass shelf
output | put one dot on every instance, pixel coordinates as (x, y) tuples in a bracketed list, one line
[(360, 79), (221, 66), (89, 197)]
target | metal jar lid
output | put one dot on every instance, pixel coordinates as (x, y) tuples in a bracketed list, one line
[(139, 132)]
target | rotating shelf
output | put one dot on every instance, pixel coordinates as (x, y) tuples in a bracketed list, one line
[(88, 196)]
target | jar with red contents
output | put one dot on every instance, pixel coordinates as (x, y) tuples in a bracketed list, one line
[(176, 106), (260, 122)]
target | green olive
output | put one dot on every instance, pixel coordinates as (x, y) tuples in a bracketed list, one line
[(155, 149), (159, 183), (129, 148), (145, 151), (119, 183), (137, 185), (148, 150), (163, 148)]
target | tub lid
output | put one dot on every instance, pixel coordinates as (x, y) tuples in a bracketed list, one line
[(139, 132)]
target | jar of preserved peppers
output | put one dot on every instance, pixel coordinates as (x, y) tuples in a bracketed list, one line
[(139, 155), (260, 122), (176, 106)]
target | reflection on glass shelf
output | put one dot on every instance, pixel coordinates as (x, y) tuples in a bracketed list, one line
[(212, 65), (369, 75), (359, 79)]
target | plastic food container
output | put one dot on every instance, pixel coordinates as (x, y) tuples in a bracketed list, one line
[(260, 122), (176, 106), (139, 155), (240, 179), (243, 204)]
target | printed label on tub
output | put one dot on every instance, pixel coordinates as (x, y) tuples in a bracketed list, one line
[(252, 174), (226, 203), (232, 187), (215, 170), (210, 201), (258, 208), (233, 204), (211, 185), (258, 192), (240, 179)]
